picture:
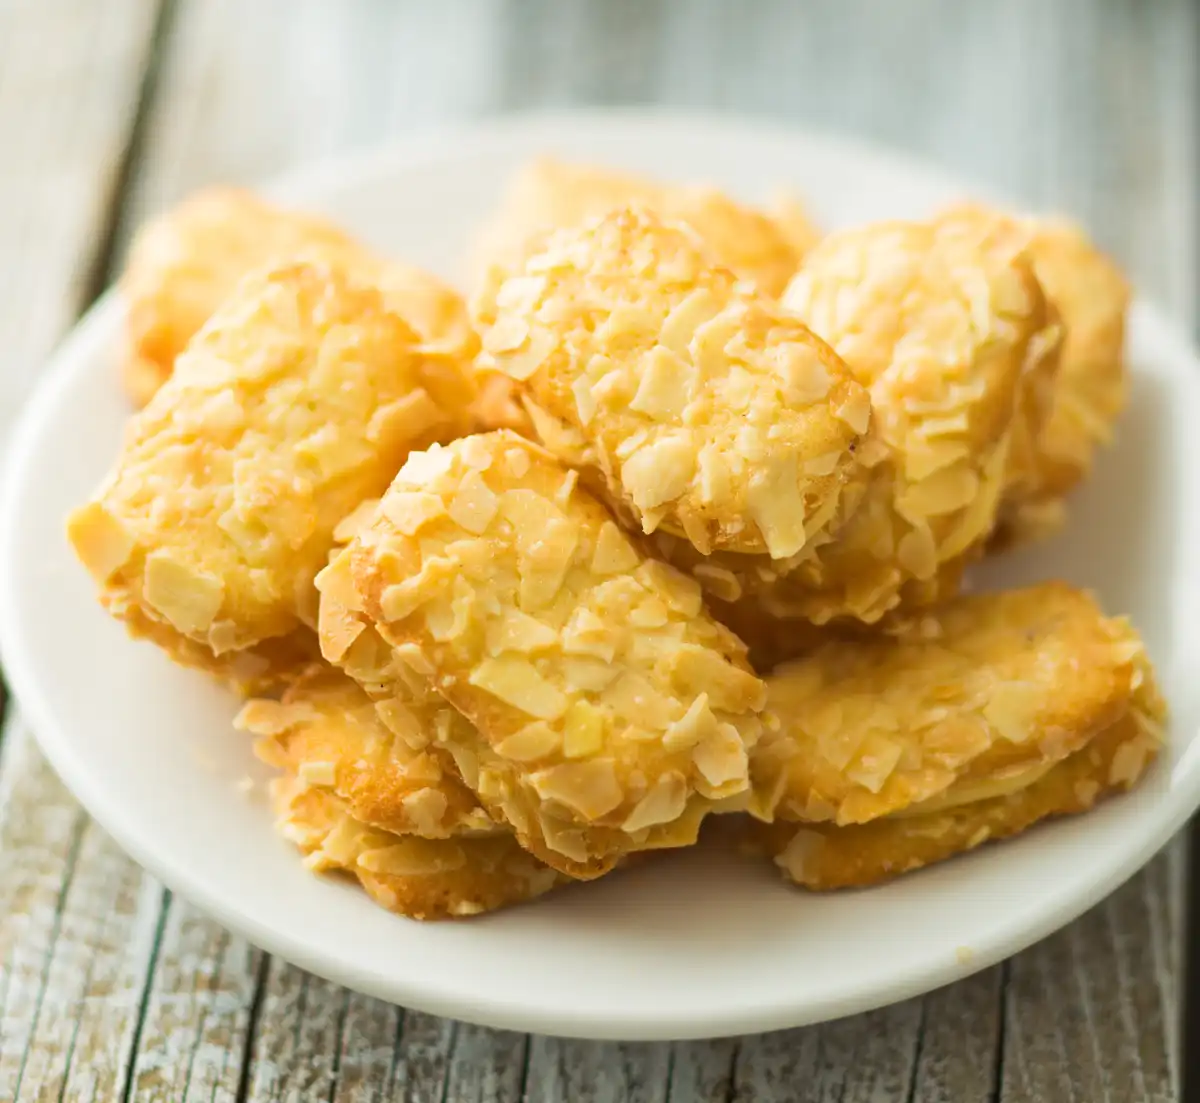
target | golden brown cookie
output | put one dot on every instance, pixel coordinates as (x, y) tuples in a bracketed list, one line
[(990, 713), (823, 856), (183, 264), (412, 876), (700, 406), (548, 195), (606, 710), (299, 398)]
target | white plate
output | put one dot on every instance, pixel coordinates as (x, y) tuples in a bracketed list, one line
[(697, 944)]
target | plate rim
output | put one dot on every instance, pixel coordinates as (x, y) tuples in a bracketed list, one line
[(38, 714)]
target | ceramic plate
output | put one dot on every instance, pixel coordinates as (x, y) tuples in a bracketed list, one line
[(697, 944)]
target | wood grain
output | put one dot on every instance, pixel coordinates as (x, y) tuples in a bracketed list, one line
[(110, 989), (73, 920)]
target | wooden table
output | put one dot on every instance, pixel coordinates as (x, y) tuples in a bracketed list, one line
[(110, 989)]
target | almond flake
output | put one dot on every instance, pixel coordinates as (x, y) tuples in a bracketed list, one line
[(664, 803), (666, 385), (521, 364), (414, 658), (410, 511), (803, 376), (614, 553), (355, 521), (401, 721), (721, 759), (423, 469), (583, 730), (517, 631), (337, 629), (474, 505), (407, 419), (586, 634), (518, 683), (517, 462), (322, 774), (855, 411), (508, 334), (660, 472), (188, 597), (583, 675), (777, 506), (702, 670), (634, 699), (693, 726), (427, 809), (714, 481), (650, 613), (102, 543), (588, 788), (798, 857), (585, 400), (414, 857), (533, 741), (684, 318), (681, 593)]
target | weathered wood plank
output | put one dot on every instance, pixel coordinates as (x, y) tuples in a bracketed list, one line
[(70, 79), (94, 978), (598, 1072), (1089, 1014), (195, 1028), (41, 828), (295, 1050), (864, 1058), (702, 1072), (367, 1050), (423, 1058), (959, 1047), (487, 1066)]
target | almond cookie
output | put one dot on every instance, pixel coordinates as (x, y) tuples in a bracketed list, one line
[(184, 263), (696, 403), (298, 399), (606, 709)]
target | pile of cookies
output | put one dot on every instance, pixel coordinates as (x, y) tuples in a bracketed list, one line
[(665, 529)]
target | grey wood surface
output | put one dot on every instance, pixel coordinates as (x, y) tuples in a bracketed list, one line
[(110, 989)]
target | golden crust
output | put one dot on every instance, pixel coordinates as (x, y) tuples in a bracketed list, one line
[(412, 876), (1091, 297), (824, 856), (981, 692), (606, 710), (186, 262), (547, 195), (326, 731), (698, 404), (299, 398)]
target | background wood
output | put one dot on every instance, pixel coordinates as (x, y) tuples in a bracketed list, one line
[(109, 988)]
